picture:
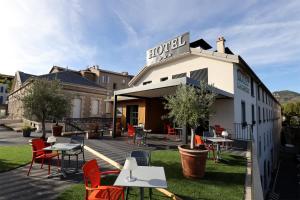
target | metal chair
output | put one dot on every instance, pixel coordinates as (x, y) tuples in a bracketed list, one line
[(143, 158), (76, 139)]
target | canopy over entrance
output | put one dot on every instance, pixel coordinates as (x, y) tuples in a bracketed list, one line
[(159, 90)]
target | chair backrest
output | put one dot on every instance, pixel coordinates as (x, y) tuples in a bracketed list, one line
[(131, 130), (38, 145), (142, 157), (170, 129), (91, 174), (198, 140), (77, 139)]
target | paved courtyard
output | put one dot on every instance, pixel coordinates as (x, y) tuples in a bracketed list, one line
[(15, 184)]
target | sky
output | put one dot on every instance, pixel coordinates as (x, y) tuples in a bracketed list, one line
[(115, 34)]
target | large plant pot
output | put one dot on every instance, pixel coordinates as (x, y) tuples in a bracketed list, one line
[(57, 130), (26, 133), (193, 161)]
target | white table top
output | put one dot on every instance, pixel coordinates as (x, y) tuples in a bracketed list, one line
[(63, 147), (147, 177), (218, 139)]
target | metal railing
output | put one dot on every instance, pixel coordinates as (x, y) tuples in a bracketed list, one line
[(242, 131), (82, 124)]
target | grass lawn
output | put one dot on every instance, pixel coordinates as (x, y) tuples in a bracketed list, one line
[(222, 181), (12, 157)]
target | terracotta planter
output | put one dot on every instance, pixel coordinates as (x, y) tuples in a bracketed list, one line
[(193, 161), (57, 130)]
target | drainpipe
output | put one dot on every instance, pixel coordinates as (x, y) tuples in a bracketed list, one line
[(115, 116)]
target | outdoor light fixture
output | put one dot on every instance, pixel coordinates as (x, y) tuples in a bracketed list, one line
[(130, 164), (224, 134), (51, 140)]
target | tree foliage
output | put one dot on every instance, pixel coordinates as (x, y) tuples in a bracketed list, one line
[(44, 100), (292, 112), (190, 105)]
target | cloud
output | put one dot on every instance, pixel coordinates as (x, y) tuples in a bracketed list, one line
[(37, 34)]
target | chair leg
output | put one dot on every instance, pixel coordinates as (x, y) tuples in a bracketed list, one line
[(58, 163), (83, 156), (30, 166), (49, 163), (127, 192), (42, 163), (77, 162), (69, 160)]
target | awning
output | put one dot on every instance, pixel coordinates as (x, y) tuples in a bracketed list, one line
[(164, 88)]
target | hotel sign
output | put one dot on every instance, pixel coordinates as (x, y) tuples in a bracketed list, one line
[(243, 81), (171, 48)]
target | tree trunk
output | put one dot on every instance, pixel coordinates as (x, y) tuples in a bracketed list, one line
[(192, 138), (43, 128)]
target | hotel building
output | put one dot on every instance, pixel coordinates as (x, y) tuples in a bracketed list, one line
[(244, 106)]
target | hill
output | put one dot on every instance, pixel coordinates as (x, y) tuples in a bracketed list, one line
[(286, 96)]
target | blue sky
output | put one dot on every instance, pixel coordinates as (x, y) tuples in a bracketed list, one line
[(35, 35)]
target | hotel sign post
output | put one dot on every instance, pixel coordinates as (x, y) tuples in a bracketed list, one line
[(169, 49)]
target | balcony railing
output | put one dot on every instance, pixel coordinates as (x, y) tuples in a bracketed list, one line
[(81, 124), (242, 131)]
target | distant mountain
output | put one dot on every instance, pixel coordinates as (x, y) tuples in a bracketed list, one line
[(286, 96)]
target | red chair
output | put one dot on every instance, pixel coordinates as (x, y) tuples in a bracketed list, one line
[(130, 132), (38, 152), (209, 147), (171, 131), (219, 130), (93, 188)]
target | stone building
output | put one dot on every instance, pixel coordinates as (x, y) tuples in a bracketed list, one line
[(87, 96), (5, 83)]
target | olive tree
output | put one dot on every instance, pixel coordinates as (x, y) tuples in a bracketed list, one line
[(44, 100), (190, 106)]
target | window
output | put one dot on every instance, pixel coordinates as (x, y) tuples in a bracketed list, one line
[(258, 93), (178, 75), (95, 107), (147, 82), (252, 87), (243, 107), (264, 115), (199, 75), (253, 114), (263, 96), (105, 79), (1, 99), (1, 89), (259, 118), (123, 81), (259, 146), (114, 86), (164, 79)]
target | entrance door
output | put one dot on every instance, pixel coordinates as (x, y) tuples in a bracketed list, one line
[(76, 108), (132, 114)]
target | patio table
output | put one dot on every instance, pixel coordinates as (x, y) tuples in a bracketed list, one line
[(63, 147), (146, 177), (217, 141)]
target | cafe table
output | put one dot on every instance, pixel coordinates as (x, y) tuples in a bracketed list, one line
[(217, 141), (63, 147), (146, 177)]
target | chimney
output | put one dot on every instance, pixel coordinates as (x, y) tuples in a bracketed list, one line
[(221, 44)]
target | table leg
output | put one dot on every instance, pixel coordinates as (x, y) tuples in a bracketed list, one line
[(62, 170), (218, 151), (142, 193)]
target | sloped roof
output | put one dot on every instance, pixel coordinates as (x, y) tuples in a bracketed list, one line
[(24, 76), (70, 77)]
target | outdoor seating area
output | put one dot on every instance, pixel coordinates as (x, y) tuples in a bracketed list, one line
[(159, 158)]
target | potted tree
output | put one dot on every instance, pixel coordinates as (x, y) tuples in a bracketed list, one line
[(26, 129), (191, 107), (45, 100)]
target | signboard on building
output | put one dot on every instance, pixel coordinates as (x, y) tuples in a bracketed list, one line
[(171, 48), (243, 81)]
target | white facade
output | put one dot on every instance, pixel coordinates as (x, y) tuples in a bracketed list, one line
[(252, 104)]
